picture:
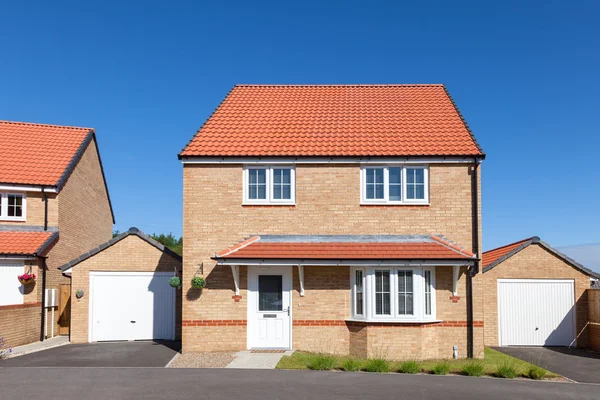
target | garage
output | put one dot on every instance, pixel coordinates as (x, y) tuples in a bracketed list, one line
[(120, 291), (533, 295), (145, 311), (549, 323)]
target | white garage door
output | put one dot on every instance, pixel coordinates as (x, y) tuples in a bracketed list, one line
[(131, 306), (536, 312)]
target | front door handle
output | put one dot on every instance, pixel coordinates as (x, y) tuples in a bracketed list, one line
[(288, 311), (133, 322)]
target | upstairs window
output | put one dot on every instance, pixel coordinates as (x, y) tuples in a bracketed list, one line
[(269, 185), (394, 185), (12, 206)]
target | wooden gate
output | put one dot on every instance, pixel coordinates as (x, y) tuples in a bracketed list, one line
[(64, 309)]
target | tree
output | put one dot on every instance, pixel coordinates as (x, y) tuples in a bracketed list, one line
[(170, 241)]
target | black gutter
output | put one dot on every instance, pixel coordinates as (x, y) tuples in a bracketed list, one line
[(475, 268), (44, 267)]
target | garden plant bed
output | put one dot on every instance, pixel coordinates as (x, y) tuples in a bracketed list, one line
[(202, 360), (490, 366)]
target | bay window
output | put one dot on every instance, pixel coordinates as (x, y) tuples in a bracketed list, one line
[(269, 185), (394, 185), (393, 294)]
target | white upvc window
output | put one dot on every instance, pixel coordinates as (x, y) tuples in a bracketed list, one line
[(265, 184), (394, 184), (394, 294), (13, 206)]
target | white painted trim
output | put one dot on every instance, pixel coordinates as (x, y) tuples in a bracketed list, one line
[(235, 270), (344, 263), (26, 188), (455, 276), (355, 316), (4, 206), (301, 279), (537, 280), (396, 321), (386, 185), (328, 160), (270, 201), (17, 258)]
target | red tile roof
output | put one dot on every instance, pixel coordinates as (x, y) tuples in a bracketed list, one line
[(335, 120), (37, 154), (431, 249), (492, 255), (25, 243)]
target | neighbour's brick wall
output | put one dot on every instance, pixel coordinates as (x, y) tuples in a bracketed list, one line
[(21, 323), (534, 262), (131, 254), (594, 319), (84, 217), (327, 202)]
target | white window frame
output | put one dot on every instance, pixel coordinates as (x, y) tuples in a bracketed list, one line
[(369, 296), (355, 315), (269, 200), (386, 185), (4, 206)]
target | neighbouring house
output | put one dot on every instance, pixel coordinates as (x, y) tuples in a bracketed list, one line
[(534, 296), (334, 218), (54, 205), (121, 291)]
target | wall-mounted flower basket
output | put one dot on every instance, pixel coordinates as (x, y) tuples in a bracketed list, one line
[(198, 282), (79, 293), (26, 279), (175, 282)]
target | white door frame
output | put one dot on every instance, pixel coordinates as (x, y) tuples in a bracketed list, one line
[(90, 295), (533, 280), (253, 273)]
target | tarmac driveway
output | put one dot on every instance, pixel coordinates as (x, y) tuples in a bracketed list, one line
[(113, 354), (577, 364)]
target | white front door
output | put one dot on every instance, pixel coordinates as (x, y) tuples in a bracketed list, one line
[(131, 306), (269, 307), (536, 312)]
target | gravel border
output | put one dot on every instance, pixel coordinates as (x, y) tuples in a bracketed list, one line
[(202, 360)]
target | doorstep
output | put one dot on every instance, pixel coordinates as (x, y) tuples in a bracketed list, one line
[(247, 359), (39, 346)]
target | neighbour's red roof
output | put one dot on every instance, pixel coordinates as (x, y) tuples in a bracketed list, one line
[(433, 249), (25, 243), (492, 255), (335, 120), (37, 154)]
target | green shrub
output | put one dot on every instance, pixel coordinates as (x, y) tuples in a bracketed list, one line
[(536, 372), (442, 368), (175, 282), (474, 368), (506, 370), (322, 362), (377, 365), (351, 365), (198, 282), (409, 367)]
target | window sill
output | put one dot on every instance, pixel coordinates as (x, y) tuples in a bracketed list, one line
[(417, 205), (395, 321), (268, 204), (13, 219)]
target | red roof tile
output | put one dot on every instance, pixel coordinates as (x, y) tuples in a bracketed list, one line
[(335, 120), (24, 243), (37, 154), (254, 248), (493, 255)]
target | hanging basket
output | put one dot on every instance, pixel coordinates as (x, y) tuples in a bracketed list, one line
[(198, 282), (26, 279), (175, 282)]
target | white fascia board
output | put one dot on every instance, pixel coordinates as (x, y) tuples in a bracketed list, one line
[(328, 160), (346, 263), (27, 188)]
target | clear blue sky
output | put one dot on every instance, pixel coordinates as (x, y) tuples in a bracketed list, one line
[(147, 75)]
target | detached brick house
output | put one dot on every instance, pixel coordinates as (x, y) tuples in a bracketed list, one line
[(54, 205), (334, 218)]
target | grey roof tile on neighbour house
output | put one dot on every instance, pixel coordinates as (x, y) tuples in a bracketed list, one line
[(516, 247), (131, 231)]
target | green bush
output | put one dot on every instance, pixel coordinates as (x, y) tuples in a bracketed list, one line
[(474, 368), (377, 365), (198, 282), (175, 282), (322, 362), (442, 368), (506, 370), (351, 365), (536, 372), (409, 367)]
